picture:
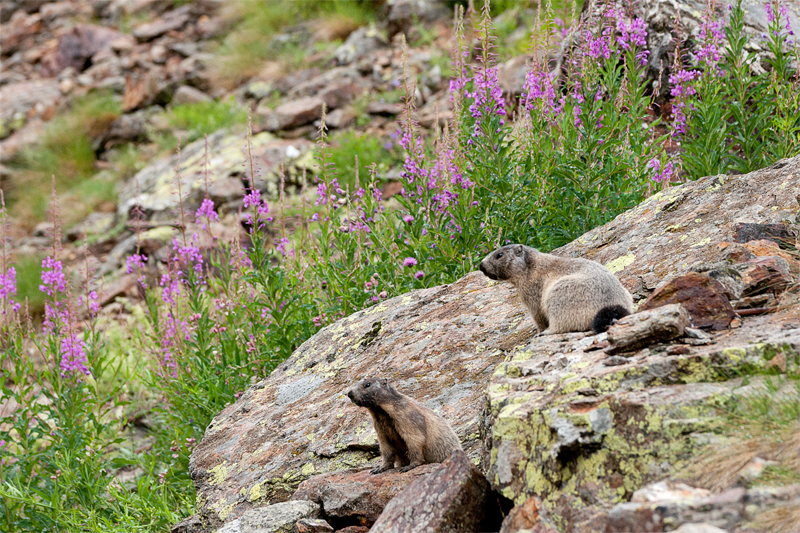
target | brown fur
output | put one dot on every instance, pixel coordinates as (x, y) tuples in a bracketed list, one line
[(409, 434), (562, 293)]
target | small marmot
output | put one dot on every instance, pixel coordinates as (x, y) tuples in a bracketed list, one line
[(562, 293), (409, 434)]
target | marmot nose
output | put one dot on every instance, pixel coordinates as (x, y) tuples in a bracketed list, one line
[(350, 394), (482, 268)]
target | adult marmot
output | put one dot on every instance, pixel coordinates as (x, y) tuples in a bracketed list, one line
[(409, 434), (562, 293)]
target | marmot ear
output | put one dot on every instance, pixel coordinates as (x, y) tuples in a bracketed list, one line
[(385, 381), (518, 249)]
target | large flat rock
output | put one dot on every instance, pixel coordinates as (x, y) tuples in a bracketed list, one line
[(438, 345)]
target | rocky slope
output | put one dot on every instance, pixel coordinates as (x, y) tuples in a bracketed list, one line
[(564, 425)]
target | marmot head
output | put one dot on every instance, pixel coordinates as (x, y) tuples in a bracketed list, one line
[(508, 263), (370, 391)]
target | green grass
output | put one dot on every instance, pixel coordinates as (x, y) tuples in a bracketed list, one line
[(29, 276), (65, 152), (205, 118), (244, 51), (369, 149)]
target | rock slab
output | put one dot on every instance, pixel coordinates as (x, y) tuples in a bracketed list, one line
[(454, 498), (357, 495), (438, 345)]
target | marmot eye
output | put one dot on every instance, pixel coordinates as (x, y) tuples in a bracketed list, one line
[(367, 384), (499, 255)]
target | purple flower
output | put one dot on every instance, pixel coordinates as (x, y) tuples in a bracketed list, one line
[(188, 254), (409, 261), (73, 356), (487, 97), (135, 260), (665, 174), (53, 279), (419, 274), (633, 33), (8, 288), (408, 219), (711, 37), (206, 210), (252, 199), (682, 88)]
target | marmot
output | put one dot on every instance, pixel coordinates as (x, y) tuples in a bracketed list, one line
[(562, 293), (409, 434)]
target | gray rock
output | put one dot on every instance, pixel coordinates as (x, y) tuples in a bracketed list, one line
[(188, 525), (647, 327), (294, 113), (189, 95), (23, 99), (361, 42), (454, 498), (401, 15), (227, 151), (699, 528), (275, 518), (172, 20)]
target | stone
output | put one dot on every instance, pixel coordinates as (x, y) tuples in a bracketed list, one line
[(668, 490), (401, 15), (340, 94), (340, 118), (305, 396), (706, 300), (294, 113), (130, 127), (357, 495), (764, 274), (275, 518), (385, 109), (647, 327), (29, 134), (172, 20), (227, 152), (511, 75), (189, 95), (22, 101), (525, 518), (777, 233), (188, 525), (76, 47), (312, 525), (455, 497), (118, 287), (358, 45), (142, 91), (353, 529)]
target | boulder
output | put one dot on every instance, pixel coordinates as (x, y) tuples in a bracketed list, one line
[(172, 20), (358, 45), (642, 329), (189, 95), (454, 498), (357, 495), (295, 113), (438, 345), (705, 298), (401, 15), (275, 518), (24, 100), (553, 418), (76, 48), (227, 153)]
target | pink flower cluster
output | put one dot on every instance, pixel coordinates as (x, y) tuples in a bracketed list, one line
[(73, 355), (8, 288), (53, 279), (682, 88), (665, 174)]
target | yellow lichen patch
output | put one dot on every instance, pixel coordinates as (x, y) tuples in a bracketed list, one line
[(220, 472), (226, 511), (307, 469), (702, 243), (621, 263)]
